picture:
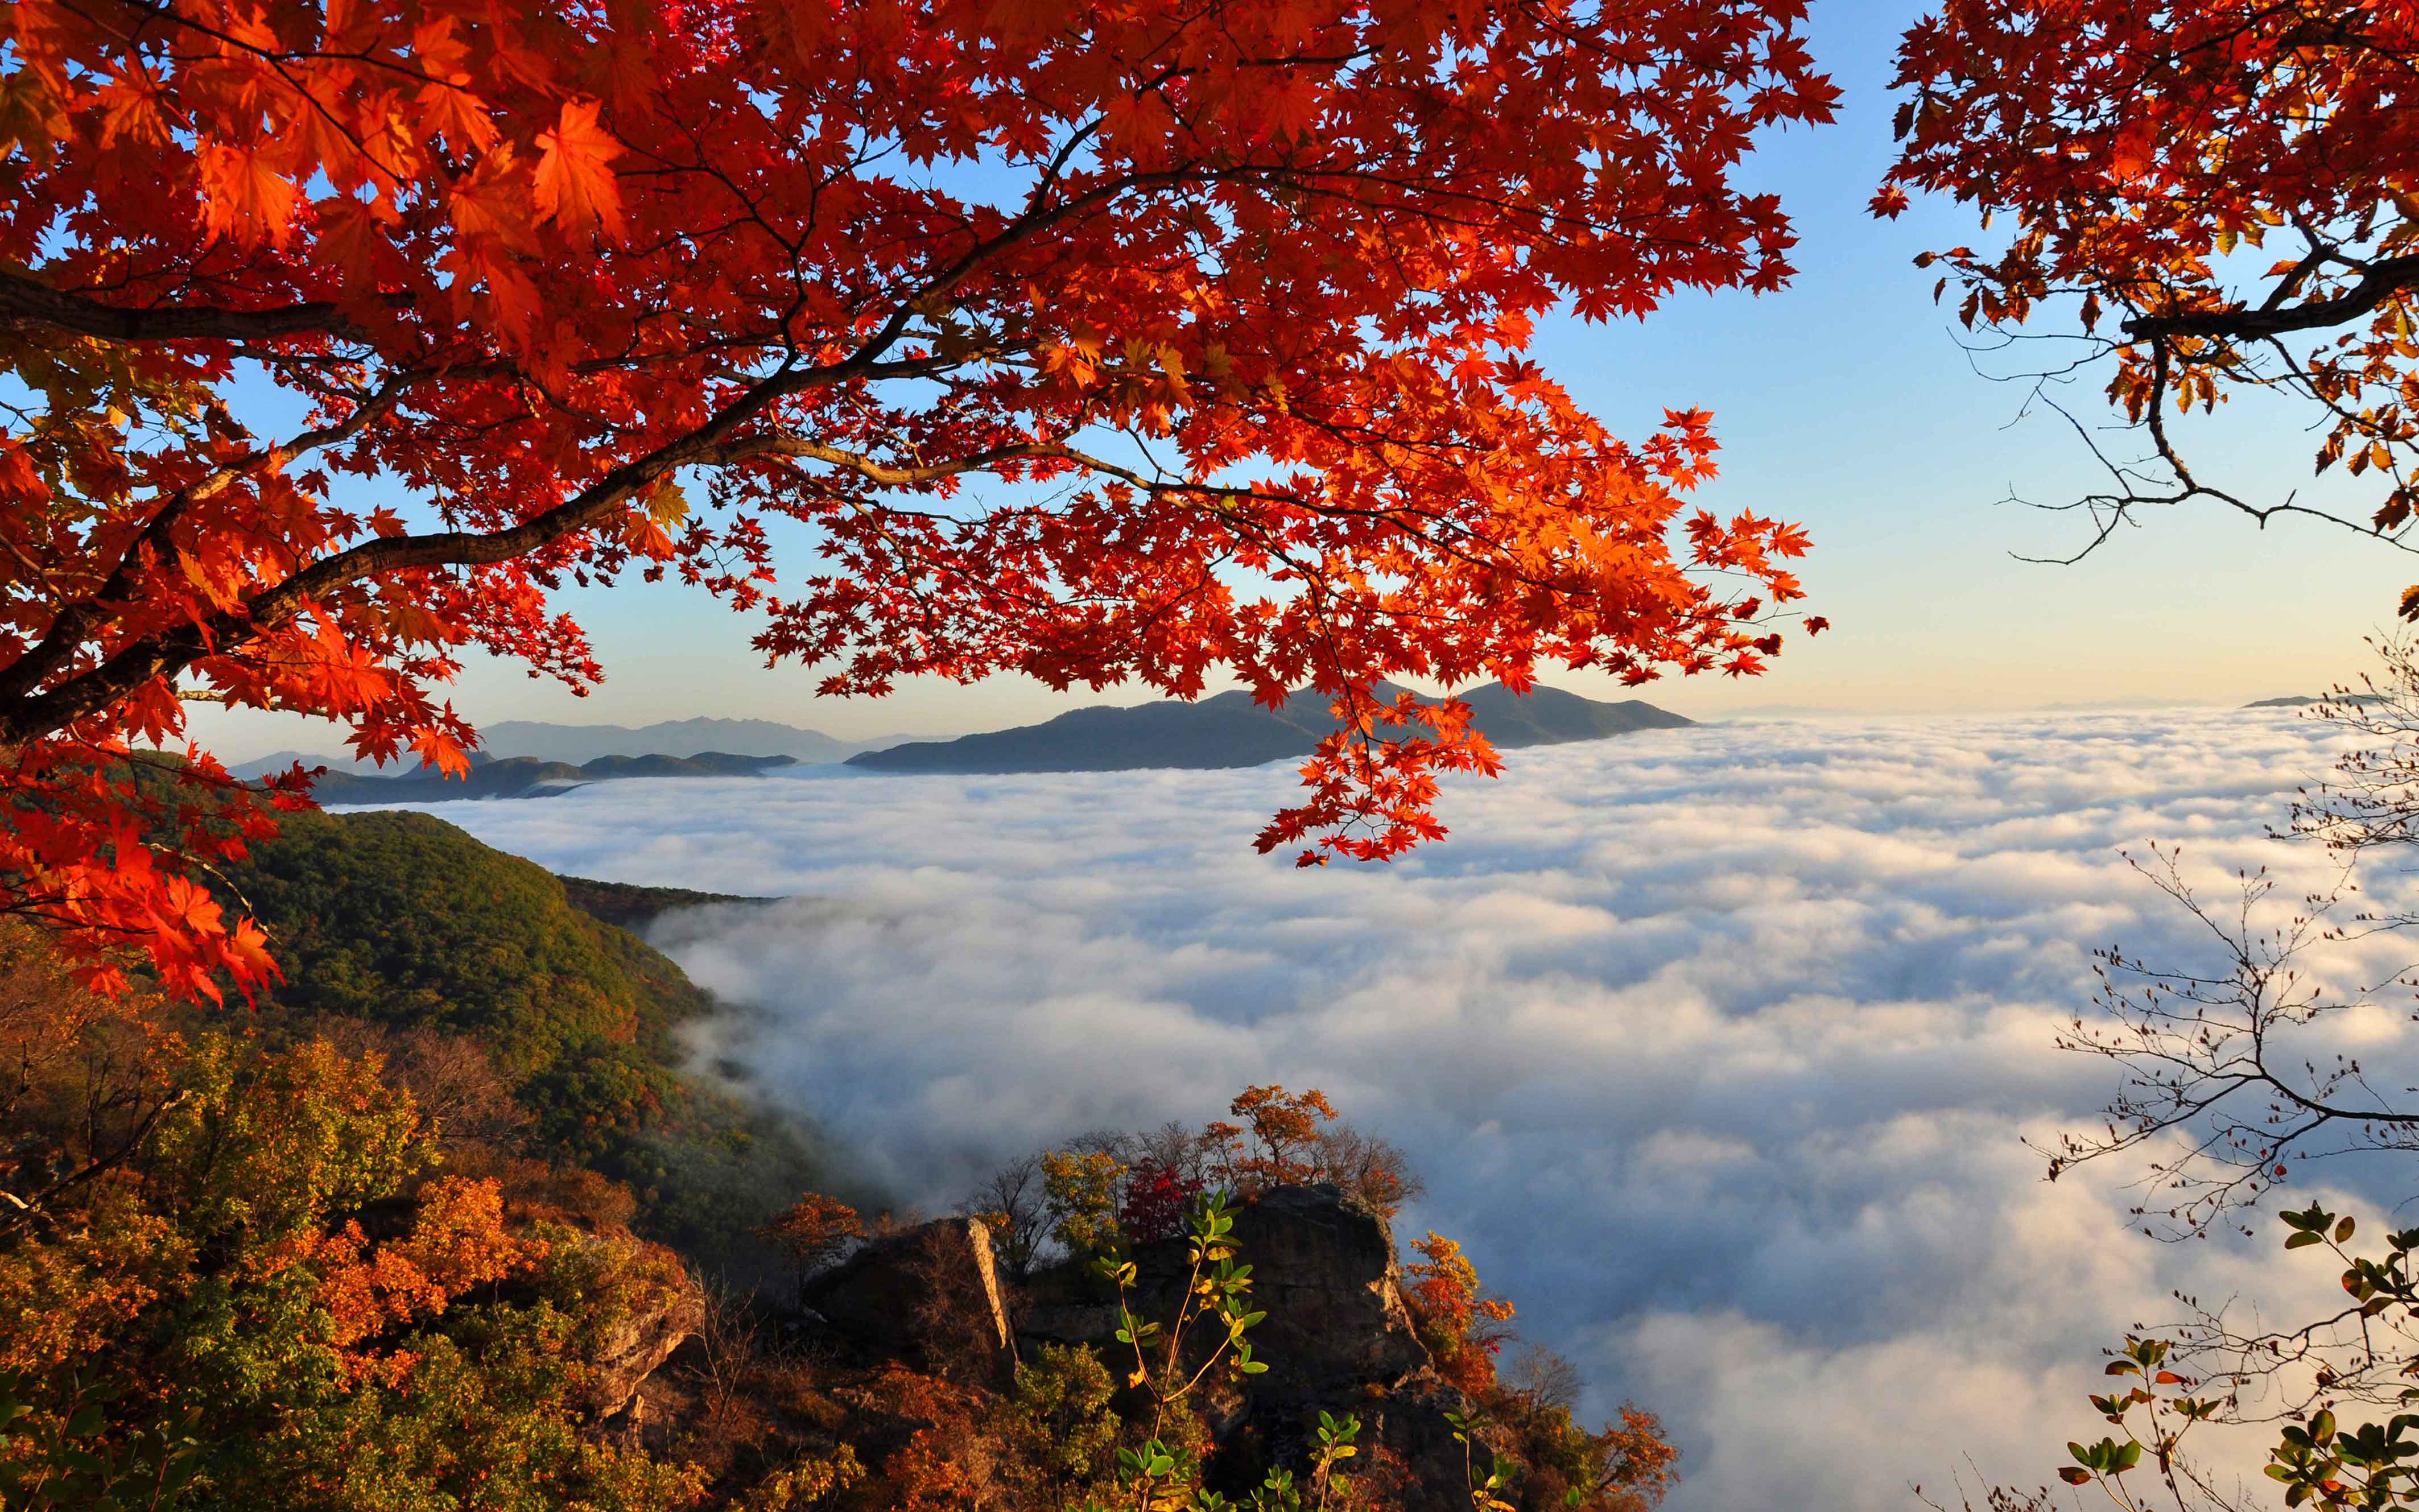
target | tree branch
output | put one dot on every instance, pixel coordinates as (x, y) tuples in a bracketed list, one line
[(23, 302), (2379, 281)]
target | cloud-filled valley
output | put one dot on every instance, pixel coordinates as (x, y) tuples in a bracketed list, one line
[(1714, 1045)]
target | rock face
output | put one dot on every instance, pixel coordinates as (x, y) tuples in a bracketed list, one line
[(1337, 1337), (930, 1295), (635, 1347), (1324, 1271)]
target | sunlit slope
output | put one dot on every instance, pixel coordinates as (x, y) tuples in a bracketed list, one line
[(403, 920)]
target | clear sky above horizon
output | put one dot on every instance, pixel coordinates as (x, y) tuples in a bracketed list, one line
[(1847, 403)]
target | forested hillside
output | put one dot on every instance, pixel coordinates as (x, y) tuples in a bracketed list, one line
[(399, 929), (403, 920), (252, 1269)]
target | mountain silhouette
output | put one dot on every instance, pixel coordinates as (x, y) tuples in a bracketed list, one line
[(527, 776), (1230, 730)]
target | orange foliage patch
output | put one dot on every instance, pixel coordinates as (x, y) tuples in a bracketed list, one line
[(457, 1241), (1461, 1325)]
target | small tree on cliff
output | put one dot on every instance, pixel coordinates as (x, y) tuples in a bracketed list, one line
[(1091, 342), (1275, 1143), (813, 1231), (1461, 1324)]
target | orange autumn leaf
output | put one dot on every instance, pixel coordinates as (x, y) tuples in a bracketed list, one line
[(244, 198), (576, 188)]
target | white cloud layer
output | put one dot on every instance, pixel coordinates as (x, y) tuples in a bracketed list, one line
[(1714, 1045)]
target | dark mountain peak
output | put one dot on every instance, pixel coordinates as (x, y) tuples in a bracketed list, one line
[(704, 763), (1230, 730)]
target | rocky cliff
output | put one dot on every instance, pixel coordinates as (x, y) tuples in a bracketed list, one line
[(1337, 1336)]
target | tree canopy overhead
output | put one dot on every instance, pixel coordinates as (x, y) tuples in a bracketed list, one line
[(2222, 197), (1094, 342)]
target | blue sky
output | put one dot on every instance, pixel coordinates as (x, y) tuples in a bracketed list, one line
[(1846, 402)]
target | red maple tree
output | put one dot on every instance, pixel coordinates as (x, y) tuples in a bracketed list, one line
[(2211, 199), (1096, 342), (1158, 1199)]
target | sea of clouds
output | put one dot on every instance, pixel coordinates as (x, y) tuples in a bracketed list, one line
[(1715, 1045)]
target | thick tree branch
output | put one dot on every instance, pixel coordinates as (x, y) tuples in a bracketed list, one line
[(2379, 281), (23, 302)]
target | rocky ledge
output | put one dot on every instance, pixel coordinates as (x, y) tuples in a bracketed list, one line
[(1337, 1337)]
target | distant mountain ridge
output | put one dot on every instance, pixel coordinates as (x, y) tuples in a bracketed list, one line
[(582, 743), (1230, 730), (579, 744), (2295, 701), (522, 776)]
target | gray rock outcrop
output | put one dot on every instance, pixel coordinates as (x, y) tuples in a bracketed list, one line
[(1324, 1271), (930, 1295)]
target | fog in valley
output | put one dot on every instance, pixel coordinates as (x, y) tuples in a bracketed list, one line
[(1715, 1045)]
